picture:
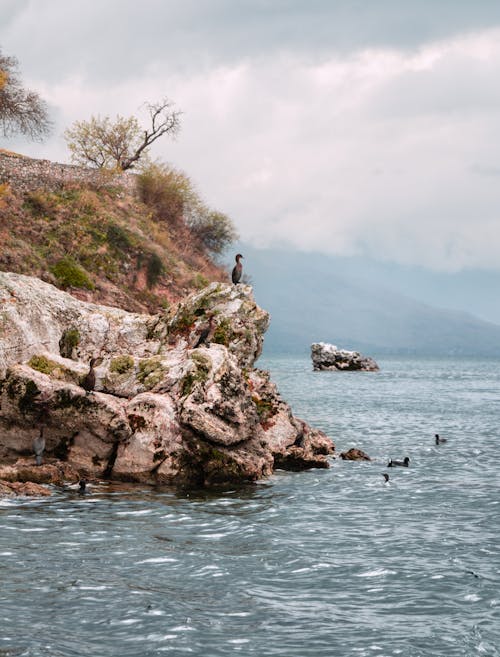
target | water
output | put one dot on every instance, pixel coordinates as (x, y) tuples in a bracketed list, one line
[(322, 563)]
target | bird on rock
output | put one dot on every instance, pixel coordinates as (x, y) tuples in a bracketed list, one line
[(39, 447), (439, 440), (88, 382), (205, 334), (405, 463), (237, 270)]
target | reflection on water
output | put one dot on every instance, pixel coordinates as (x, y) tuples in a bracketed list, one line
[(319, 563)]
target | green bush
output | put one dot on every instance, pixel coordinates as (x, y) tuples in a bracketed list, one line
[(154, 270), (70, 274), (168, 191), (176, 201), (215, 230), (118, 237), (121, 364), (42, 364), (70, 339)]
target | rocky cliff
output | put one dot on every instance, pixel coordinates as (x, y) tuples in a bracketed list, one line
[(176, 397)]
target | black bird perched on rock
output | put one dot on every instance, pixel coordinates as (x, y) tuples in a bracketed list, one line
[(39, 447), (204, 335), (237, 270), (82, 486), (405, 463), (88, 382), (439, 440)]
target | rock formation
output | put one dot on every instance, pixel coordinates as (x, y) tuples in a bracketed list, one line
[(161, 410), (354, 454), (329, 357)]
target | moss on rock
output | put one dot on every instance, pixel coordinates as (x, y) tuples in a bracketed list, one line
[(121, 364), (69, 274), (151, 372), (70, 339)]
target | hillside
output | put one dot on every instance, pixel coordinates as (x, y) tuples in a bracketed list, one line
[(99, 242)]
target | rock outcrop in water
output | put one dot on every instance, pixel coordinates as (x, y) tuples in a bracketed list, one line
[(163, 409), (329, 357)]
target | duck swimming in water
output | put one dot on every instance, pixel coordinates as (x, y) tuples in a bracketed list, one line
[(39, 447), (405, 463), (439, 440)]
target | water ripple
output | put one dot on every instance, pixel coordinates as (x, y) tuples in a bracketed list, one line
[(312, 564)]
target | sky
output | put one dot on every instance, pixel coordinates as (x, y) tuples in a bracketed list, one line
[(345, 127)]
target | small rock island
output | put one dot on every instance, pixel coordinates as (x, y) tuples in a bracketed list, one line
[(329, 357)]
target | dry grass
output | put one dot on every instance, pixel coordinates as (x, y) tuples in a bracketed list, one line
[(111, 238)]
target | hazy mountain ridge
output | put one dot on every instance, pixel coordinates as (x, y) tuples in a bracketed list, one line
[(310, 300)]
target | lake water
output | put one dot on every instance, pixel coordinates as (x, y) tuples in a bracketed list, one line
[(320, 563)]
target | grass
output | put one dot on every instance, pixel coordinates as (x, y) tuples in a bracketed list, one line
[(108, 244)]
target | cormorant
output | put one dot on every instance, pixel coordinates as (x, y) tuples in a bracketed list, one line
[(405, 463), (385, 476), (203, 339), (237, 270), (88, 382), (82, 486), (38, 447), (439, 440)]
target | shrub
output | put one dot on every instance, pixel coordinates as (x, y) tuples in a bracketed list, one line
[(121, 364), (154, 270), (70, 274), (118, 237), (42, 364), (215, 230), (176, 201), (168, 191), (39, 203), (70, 339)]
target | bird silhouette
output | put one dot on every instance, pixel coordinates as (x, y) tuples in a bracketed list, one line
[(385, 476), (237, 270), (39, 447), (88, 382), (439, 440), (205, 334), (405, 463)]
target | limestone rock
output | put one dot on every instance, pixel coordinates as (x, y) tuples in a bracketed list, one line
[(25, 470), (329, 357), (22, 489), (175, 400), (355, 454)]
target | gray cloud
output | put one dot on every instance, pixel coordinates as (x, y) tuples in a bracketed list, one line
[(341, 127)]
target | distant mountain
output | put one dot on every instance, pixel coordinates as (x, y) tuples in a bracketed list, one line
[(313, 297)]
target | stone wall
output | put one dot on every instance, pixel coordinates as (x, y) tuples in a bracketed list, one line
[(26, 174)]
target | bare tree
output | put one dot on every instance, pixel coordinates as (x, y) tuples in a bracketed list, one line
[(21, 110), (121, 144)]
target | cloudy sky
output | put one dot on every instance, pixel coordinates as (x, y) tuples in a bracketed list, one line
[(343, 126)]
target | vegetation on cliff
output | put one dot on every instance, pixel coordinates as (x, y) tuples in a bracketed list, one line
[(138, 250)]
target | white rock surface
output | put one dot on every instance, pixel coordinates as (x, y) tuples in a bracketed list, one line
[(327, 356), (164, 408)]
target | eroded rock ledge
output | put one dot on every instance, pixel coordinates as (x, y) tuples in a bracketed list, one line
[(168, 406), (327, 356)]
